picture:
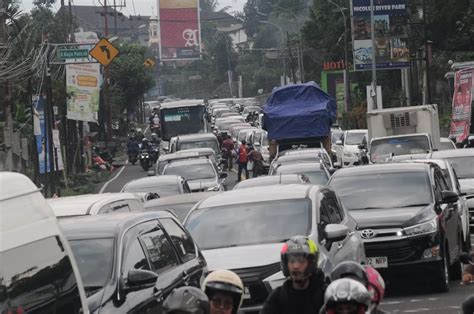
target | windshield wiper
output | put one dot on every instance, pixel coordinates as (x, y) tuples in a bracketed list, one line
[(414, 205)]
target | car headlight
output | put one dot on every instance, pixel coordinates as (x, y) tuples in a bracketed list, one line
[(423, 228)]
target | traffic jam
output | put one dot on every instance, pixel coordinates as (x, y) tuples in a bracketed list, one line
[(239, 207)]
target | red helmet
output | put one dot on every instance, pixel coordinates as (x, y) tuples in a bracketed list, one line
[(376, 285)]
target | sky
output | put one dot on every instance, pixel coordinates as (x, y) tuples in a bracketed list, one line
[(135, 7)]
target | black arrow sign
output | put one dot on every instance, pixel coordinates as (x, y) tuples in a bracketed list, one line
[(106, 50)]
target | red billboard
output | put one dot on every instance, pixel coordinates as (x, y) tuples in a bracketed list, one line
[(180, 31), (462, 104)]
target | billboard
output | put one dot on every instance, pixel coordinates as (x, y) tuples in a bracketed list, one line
[(83, 88), (462, 104), (180, 30), (391, 34)]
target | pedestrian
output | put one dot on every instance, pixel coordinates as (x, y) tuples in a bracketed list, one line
[(256, 157), (189, 300), (228, 147), (303, 291), (225, 291), (243, 159), (346, 296)]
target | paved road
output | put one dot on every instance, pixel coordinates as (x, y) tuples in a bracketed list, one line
[(412, 297)]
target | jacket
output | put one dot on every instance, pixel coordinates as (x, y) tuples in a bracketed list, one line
[(287, 300)]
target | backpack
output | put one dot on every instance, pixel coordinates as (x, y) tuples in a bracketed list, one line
[(243, 154)]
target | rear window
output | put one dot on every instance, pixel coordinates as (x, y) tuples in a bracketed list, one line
[(38, 278)]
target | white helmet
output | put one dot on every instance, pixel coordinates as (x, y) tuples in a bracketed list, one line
[(347, 291), (227, 282)]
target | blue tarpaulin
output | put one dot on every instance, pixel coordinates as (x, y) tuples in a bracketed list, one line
[(299, 111)]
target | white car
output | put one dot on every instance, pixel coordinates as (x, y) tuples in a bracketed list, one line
[(244, 230), (350, 142)]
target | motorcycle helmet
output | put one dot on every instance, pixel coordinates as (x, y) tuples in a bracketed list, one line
[(189, 300), (227, 282), (346, 293), (352, 270), (144, 140), (376, 285), (154, 136), (300, 245)]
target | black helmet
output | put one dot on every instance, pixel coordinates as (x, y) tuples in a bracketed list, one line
[(300, 245), (347, 291), (349, 269), (186, 300)]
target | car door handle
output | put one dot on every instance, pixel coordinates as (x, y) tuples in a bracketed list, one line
[(158, 294), (340, 245), (185, 275)]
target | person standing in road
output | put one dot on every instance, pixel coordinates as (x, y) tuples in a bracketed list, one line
[(256, 157), (228, 147), (303, 292), (225, 291), (243, 159)]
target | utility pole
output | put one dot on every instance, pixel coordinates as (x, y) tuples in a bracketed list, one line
[(107, 105), (374, 69), (49, 125)]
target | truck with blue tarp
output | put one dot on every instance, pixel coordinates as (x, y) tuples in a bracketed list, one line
[(299, 115)]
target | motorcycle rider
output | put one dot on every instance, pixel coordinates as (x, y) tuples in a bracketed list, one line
[(346, 296), (132, 146), (155, 139), (225, 290), (303, 292), (186, 300)]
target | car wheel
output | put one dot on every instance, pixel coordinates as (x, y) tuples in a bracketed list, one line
[(442, 277)]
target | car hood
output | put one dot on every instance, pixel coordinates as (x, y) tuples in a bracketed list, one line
[(351, 148), (392, 217), (243, 256), (467, 186), (202, 184)]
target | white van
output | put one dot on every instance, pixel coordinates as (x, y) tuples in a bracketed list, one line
[(38, 273)]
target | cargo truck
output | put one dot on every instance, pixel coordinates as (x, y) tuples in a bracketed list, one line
[(403, 131)]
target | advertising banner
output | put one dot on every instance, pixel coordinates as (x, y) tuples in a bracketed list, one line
[(462, 104), (83, 88), (180, 30), (391, 34)]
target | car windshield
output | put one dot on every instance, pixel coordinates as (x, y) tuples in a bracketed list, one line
[(317, 177), (383, 190), (336, 136), (200, 144), (380, 149), (446, 146), (250, 223), (192, 171), (161, 190), (464, 166), (95, 258), (354, 138)]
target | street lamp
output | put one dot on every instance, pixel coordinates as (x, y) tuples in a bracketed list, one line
[(300, 38), (283, 46), (347, 96)]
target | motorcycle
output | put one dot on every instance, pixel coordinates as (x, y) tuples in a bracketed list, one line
[(363, 155), (155, 153), (133, 157), (145, 161)]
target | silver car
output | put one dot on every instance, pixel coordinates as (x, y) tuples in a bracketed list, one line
[(244, 230)]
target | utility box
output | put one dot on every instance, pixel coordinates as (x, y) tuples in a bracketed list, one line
[(403, 121)]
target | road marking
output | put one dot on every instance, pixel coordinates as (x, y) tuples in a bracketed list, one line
[(113, 179)]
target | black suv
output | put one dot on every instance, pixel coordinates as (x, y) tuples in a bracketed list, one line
[(130, 262), (407, 218)]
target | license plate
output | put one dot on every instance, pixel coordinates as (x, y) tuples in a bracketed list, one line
[(377, 262), (246, 293)]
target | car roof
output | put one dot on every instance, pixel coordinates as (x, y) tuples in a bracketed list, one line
[(305, 166), (258, 194), (182, 103), (85, 204), (298, 151), (154, 181), (442, 163), (357, 131), (270, 180), (15, 184), (382, 168), (464, 152), (180, 199), (196, 161), (197, 136), (106, 225)]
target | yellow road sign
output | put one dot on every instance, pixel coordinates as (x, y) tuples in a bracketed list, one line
[(104, 52), (149, 63)]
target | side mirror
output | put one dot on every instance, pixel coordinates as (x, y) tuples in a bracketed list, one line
[(449, 197), (336, 232), (138, 279), (151, 173), (339, 142), (151, 196), (223, 175)]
